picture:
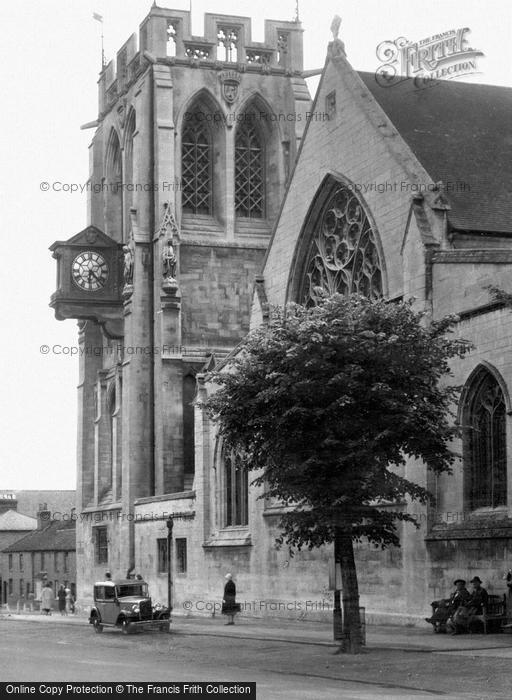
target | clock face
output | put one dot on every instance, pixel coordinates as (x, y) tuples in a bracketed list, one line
[(89, 271)]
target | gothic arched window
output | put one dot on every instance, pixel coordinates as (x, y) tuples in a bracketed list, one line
[(249, 171), (485, 448), (113, 437), (196, 170), (114, 190), (129, 200), (236, 488), (343, 256)]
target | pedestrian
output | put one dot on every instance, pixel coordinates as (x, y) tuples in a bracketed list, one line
[(508, 578), (443, 610), (69, 601), (465, 617), (47, 599), (61, 596), (479, 598), (229, 605)]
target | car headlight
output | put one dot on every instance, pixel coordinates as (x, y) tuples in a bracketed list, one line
[(135, 608), (158, 606)]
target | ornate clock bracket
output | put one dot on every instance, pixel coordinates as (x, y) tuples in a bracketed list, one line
[(89, 280)]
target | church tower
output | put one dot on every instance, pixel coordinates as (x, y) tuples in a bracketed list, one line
[(194, 143)]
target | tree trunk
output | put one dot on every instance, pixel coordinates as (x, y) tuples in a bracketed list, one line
[(352, 637)]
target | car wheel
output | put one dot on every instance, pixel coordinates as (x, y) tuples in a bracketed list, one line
[(125, 627), (98, 627)]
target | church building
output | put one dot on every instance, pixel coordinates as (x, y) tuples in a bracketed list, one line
[(218, 188)]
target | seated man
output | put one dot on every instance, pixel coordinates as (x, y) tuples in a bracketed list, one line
[(479, 598), (444, 609), (463, 618)]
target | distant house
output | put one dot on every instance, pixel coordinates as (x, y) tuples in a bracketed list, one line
[(13, 526), (45, 554)]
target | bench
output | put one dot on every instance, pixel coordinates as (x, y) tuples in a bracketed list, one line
[(494, 612)]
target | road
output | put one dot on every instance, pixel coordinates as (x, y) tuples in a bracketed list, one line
[(282, 670)]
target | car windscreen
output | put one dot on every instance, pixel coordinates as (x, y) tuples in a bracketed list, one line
[(139, 590)]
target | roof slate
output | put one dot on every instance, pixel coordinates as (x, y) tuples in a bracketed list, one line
[(57, 536), (462, 134), (11, 520)]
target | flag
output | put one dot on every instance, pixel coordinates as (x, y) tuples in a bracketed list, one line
[(97, 17)]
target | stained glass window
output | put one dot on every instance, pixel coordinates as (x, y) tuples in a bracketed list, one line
[(249, 177), (196, 169), (343, 256), (235, 491), (486, 443)]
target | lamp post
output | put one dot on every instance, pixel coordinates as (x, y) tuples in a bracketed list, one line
[(170, 523)]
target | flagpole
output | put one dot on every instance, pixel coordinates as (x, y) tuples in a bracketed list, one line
[(99, 18)]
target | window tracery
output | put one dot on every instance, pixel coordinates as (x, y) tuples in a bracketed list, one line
[(343, 256)]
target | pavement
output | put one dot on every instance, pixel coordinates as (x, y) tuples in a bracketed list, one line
[(286, 658), (383, 637)]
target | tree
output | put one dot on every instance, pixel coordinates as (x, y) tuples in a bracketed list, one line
[(327, 402)]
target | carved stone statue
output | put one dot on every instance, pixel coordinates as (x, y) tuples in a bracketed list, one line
[(169, 261), (128, 264)]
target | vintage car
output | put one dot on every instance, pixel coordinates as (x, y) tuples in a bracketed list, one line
[(126, 604)]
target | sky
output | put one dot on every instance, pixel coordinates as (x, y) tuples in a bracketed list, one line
[(50, 58)]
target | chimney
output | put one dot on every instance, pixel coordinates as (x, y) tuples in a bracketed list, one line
[(43, 516)]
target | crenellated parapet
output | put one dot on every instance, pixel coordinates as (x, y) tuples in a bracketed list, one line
[(165, 37)]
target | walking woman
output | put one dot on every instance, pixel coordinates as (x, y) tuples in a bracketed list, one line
[(47, 599), (69, 601), (61, 595), (229, 605)]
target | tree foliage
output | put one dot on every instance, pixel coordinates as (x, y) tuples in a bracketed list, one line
[(329, 401)]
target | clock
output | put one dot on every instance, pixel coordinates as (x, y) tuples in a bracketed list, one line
[(89, 271)]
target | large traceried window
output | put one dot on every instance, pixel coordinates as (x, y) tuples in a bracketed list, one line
[(485, 449), (196, 168), (236, 487), (343, 255), (249, 171)]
